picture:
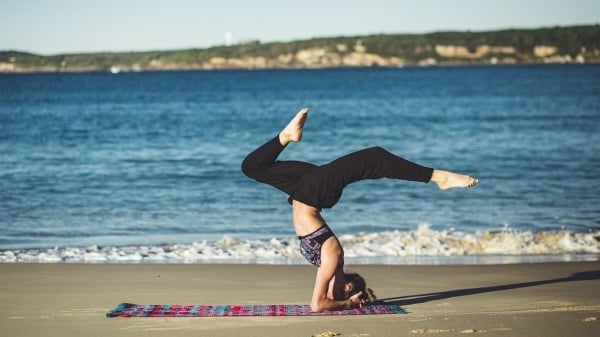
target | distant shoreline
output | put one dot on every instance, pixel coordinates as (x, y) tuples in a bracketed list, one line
[(453, 65), (557, 45)]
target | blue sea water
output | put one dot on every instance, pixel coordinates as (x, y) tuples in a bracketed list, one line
[(154, 157)]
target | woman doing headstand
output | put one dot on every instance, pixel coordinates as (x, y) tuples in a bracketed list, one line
[(312, 188)]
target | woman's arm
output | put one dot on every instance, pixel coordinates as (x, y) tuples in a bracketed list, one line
[(329, 283), (321, 302)]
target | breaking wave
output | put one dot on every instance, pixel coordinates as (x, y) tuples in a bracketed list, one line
[(423, 245)]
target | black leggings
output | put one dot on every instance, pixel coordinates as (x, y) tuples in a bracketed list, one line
[(321, 186)]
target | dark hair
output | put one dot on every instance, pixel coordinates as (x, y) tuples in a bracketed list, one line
[(358, 285)]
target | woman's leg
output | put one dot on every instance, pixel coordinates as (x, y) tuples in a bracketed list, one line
[(323, 186), (377, 163), (263, 166)]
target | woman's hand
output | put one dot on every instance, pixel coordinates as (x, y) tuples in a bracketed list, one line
[(355, 301)]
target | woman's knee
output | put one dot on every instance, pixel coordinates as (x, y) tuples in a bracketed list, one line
[(249, 168), (378, 152)]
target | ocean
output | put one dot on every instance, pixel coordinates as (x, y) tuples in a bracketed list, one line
[(145, 167)]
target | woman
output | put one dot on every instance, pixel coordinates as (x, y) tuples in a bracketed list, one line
[(312, 188)]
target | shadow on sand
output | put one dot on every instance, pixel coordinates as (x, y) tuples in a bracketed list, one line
[(423, 298)]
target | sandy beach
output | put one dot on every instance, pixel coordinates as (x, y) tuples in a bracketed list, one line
[(549, 299)]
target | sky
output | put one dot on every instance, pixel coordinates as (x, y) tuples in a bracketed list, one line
[(51, 27)]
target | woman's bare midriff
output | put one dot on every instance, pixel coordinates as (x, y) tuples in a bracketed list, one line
[(306, 219)]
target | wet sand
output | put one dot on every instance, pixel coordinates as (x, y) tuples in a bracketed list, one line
[(548, 299)]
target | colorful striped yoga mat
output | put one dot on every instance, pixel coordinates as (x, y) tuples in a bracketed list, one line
[(176, 310)]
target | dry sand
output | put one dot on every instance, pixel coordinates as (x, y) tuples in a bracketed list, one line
[(551, 299)]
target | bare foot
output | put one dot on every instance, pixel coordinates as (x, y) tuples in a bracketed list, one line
[(293, 131), (447, 180)]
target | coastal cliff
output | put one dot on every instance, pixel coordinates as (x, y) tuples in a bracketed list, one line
[(578, 44)]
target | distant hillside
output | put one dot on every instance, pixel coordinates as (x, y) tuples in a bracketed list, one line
[(577, 44)]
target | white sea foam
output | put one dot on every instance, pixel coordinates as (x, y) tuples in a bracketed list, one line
[(423, 245)]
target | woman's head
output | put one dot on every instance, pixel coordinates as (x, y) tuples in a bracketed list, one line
[(355, 284)]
